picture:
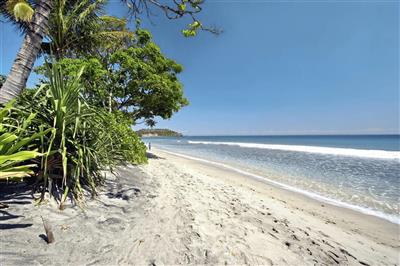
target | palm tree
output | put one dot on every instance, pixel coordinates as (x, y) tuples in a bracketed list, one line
[(35, 25), (70, 25), (77, 28)]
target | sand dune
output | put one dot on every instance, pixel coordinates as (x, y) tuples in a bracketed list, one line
[(178, 211)]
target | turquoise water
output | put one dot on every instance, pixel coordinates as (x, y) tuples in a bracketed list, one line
[(362, 172)]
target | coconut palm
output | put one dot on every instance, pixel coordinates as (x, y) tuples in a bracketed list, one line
[(78, 28), (34, 21), (74, 26)]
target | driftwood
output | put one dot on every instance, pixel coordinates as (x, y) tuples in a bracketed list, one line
[(49, 233)]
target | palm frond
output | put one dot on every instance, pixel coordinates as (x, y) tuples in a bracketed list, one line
[(90, 10)]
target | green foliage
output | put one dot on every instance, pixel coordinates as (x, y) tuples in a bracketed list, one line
[(192, 29), (124, 71), (158, 132), (138, 80), (189, 33), (106, 78), (125, 142), (15, 153), (78, 28), (182, 7), (145, 81), (74, 149), (94, 78), (82, 139), (173, 10)]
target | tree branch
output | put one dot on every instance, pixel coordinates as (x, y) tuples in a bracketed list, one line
[(179, 9)]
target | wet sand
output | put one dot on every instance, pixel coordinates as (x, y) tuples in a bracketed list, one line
[(180, 211)]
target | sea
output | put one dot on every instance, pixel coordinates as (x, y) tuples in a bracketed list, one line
[(359, 172)]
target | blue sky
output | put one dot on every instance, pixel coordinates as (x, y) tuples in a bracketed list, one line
[(310, 67)]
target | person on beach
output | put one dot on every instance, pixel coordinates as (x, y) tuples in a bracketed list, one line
[(149, 146)]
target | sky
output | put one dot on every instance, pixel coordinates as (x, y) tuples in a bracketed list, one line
[(279, 67)]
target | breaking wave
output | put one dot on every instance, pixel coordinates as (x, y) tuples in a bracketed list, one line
[(389, 217), (378, 154)]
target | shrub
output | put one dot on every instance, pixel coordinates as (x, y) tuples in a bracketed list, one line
[(124, 141), (73, 149), (81, 140), (14, 147)]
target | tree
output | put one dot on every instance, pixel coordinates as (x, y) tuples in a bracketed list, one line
[(137, 80), (35, 30), (80, 139), (38, 26), (145, 81), (78, 28)]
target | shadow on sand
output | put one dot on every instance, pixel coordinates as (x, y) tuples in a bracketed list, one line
[(153, 156), (10, 195)]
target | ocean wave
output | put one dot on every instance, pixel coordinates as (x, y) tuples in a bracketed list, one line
[(388, 217), (378, 154)]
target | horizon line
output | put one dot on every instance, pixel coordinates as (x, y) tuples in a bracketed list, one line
[(282, 135)]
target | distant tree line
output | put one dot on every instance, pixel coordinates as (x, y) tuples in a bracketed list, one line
[(162, 132)]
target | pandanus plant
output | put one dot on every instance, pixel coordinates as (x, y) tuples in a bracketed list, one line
[(73, 139), (16, 145), (76, 147)]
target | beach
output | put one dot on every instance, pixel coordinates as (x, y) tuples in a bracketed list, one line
[(175, 210)]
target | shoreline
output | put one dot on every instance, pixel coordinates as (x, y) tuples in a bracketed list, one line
[(364, 235), (175, 210), (314, 196), (315, 207)]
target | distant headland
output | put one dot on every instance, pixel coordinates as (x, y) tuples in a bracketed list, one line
[(158, 132)]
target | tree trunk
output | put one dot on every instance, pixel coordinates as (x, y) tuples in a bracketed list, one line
[(23, 63)]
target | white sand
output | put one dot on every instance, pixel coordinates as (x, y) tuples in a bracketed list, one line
[(189, 212)]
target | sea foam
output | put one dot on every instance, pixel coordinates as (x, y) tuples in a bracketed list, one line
[(378, 154), (388, 217)]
